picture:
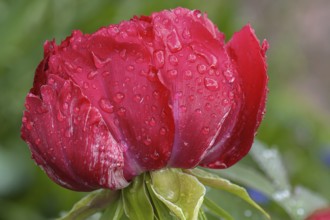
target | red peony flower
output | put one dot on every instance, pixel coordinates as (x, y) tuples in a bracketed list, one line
[(152, 92), (323, 214)]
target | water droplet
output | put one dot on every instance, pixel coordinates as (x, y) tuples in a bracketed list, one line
[(183, 108), (147, 141), (208, 106), (173, 42), (188, 74), (186, 33), (192, 57), (173, 60), (159, 58), (198, 111), (29, 125), (152, 121), (51, 81), (106, 73), (60, 117), (138, 98), (172, 72), (98, 62), (65, 106), (38, 141), (225, 102), (211, 84), (247, 213), (229, 76), (205, 130), (197, 13), (191, 97), (119, 97), (24, 119), (121, 111), (231, 95), (162, 131), (86, 85), (201, 68), (79, 69), (106, 105), (156, 94), (122, 54), (92, 74), (130, 68)]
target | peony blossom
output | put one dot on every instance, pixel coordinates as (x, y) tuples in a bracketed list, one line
[(322, 214), (156, 91)]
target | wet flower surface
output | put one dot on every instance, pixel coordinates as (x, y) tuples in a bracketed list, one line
[(152, 92)]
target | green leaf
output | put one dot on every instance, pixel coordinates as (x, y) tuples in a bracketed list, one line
[(217, 209), (215, 181), (182, 193), (137, 205), (114, 212), (248, 176), (90, 204), (270, 161)]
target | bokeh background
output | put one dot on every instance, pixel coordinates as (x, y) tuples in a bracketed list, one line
[(297, 122)]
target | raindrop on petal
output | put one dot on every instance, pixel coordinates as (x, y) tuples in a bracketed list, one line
[(173, 42), (106, 105), (211, 84)]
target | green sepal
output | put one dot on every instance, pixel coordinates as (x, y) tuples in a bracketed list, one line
[(217, 182), (161, 210), (114, 211), (137, 205), (90, 204), (182, 193)]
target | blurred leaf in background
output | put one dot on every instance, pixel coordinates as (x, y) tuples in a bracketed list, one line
[(297, 119)]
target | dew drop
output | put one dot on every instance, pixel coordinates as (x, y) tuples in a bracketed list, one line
[(152, 122), (122, 54), (201, 68), (188, 74), (106, 73), (65, 106), (156, 94), (130, 68), (119, 97), (97, 61), (205, 130), (229, 76), (159, 58), (173, 42), (51, 81), (183, 108), (173, 60), (106, 105), (225, 102), (192, 57), (91, 75), (198, 111), (173, 73), (24, 119), (186, 33), (38, 141), (162, 131), (29, 125), (147, 141), (208, 106), (79, 69), (86, 85), (138, 98), (191, 97), (211, 84), (121, 111)]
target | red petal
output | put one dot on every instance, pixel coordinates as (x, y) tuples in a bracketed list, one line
[(69, 139), (114, 70), (194, 68), (236, 137)]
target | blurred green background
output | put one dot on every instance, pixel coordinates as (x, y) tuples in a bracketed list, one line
[(297, 120)]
